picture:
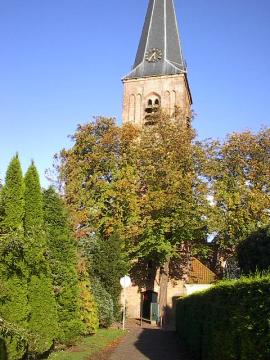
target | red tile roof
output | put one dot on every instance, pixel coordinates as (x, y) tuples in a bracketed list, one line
[(200, 274)]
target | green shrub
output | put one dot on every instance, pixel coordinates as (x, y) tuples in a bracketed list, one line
[(230, 321), (104, 303), (254, 252)]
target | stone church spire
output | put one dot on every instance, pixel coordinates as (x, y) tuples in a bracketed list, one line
[(158, 77), (159, 51)]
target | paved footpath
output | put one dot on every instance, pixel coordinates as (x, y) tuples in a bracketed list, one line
[(149, 343)]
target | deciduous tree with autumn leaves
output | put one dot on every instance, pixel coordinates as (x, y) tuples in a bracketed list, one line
[(163, 192), (238, 174), (142, 184)]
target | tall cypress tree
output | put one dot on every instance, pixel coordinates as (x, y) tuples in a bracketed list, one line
[(43, 314), (62, 257), (12, 197), (33, 219), (35, 241), (14, 306)]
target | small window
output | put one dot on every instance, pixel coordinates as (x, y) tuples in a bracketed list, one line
[(150, 103), (157, 102)]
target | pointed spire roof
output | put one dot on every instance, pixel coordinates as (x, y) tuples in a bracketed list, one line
[(159, 51)]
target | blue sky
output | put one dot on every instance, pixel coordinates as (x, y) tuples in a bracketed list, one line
[(61, 62)]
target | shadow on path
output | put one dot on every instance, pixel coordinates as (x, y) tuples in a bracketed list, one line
[(156, 344), (151, 344)]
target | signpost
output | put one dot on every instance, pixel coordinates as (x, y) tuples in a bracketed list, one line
[(125, 282)]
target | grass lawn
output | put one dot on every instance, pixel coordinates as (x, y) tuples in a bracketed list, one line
[(89, 345)]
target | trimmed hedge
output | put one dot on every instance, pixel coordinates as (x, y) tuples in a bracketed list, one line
[(230, 321)]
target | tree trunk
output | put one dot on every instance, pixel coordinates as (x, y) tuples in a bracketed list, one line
[(163, 287)]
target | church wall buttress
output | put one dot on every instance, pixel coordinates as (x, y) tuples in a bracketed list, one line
[(138, 114), (131, 111), (174, 103), (167, 101)]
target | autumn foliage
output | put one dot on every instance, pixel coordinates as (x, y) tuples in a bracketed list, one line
[(139, 183)]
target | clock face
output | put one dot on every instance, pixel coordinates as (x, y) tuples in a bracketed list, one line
[(153, 55)]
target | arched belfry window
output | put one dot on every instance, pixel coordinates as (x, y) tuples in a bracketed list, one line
[(152, 105)]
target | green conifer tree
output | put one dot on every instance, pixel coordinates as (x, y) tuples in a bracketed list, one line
[(88, 305), (14, 304), (62, 257), (12, 197), (43, 318), (33, 219), (43, 314), (35, 240)]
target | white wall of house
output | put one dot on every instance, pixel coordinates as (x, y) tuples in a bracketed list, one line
[(192, 288)]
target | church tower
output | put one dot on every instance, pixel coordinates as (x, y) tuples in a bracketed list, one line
[(159, 75)]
